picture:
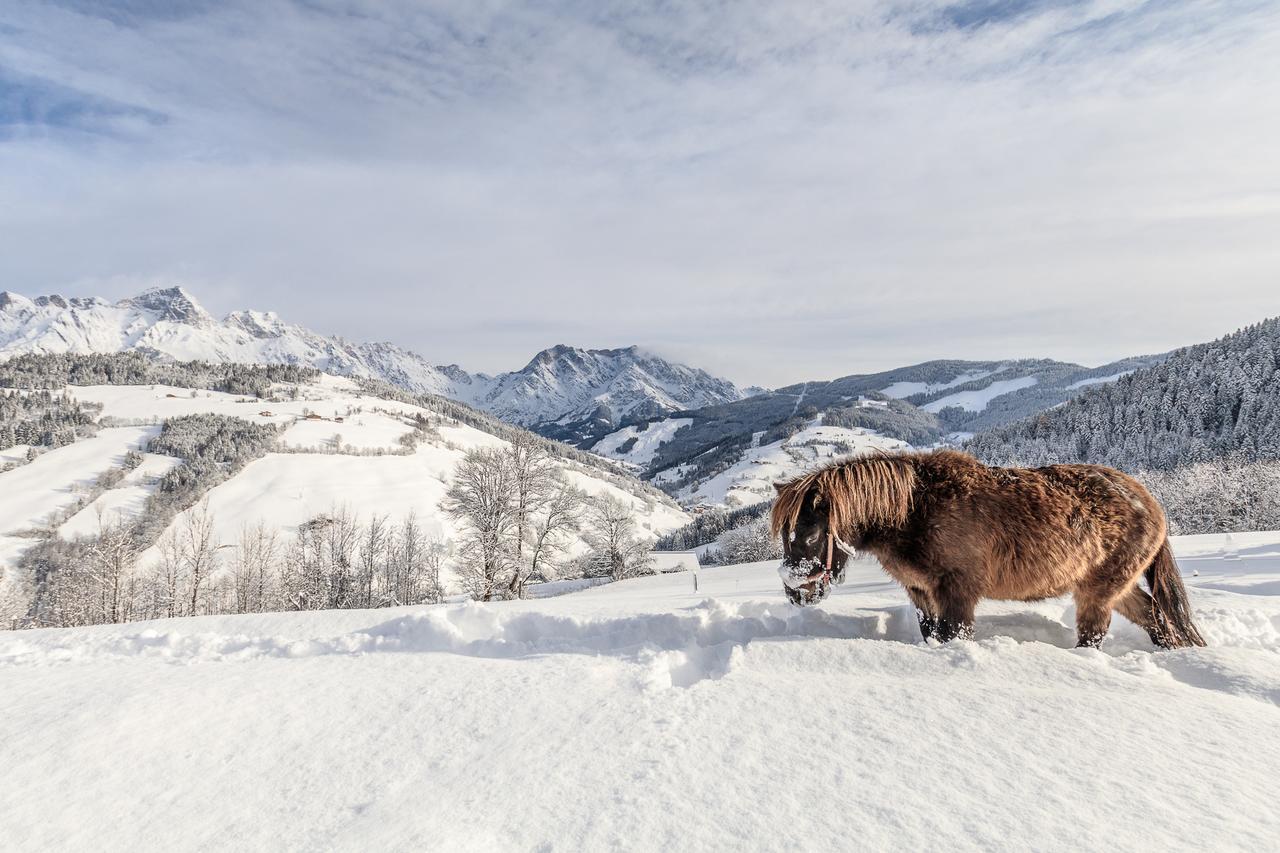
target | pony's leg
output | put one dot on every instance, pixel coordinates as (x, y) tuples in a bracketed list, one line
[(1093, 618), (1105, 587), (924, 612), (955, 608), (1136, 607)]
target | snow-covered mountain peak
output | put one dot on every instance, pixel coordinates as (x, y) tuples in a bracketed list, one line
[(172, 304), (558, 391), (14, 303), (259, 324)]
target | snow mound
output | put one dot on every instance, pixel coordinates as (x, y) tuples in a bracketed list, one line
[(645, 714)]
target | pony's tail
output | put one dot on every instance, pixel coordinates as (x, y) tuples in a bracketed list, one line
[(1170, 609)]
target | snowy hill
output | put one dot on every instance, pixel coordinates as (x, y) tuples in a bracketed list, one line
[(574, 392), (919, 405), (645, 715), (338, 446), (1210, 401), (749, 480)]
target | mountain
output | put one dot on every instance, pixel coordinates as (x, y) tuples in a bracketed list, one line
[(1218, 400), (691, 453), (564, 392), (577, 395)]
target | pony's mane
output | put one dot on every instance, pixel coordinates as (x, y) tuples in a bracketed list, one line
[(869, 490)]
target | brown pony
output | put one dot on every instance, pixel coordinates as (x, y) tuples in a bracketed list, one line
[(952, 531)]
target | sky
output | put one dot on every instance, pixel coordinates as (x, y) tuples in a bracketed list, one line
[(773, 191)]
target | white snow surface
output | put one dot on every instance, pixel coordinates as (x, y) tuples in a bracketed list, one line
[(977, 400), (1097, 380), (122, 503), (648, 441), (899, 390), (750, 479), (34, 494), (646, 716)]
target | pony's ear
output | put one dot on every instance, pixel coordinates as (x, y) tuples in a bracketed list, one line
[(778, 487)]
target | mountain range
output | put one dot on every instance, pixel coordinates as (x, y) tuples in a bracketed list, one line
[(564, 392), (921, 404)]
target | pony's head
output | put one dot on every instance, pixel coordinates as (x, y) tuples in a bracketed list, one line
[(818, 513), (811, 562)]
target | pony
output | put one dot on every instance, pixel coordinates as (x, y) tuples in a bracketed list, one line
[(952, 531)]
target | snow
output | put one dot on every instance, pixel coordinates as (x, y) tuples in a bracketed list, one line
[(750, 479), (900, 390), (363, 432), (647, 441), (31, 493), (123, 503), (646, 715), (17, 453), (675, 561), (1097, 380), (977, 400), (282, 490)]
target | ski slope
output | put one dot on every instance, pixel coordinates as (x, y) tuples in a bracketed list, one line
[(647, 443), (977, 400), (644, 715)]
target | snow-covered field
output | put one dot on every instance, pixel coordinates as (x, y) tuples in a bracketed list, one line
[(281, 490), (32, 495), (907, 389), (645, 715), (977, 400), (647, 441)]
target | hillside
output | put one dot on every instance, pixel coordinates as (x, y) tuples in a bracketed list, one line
[(647, 714), (918, 405), (320, 447), (568, 393), (1211, 401)]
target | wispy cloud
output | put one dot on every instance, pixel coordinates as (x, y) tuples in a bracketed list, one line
[(779, 191)]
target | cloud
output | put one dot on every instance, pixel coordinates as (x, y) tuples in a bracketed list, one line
[(776, 191)]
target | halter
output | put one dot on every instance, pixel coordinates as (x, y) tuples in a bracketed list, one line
[(826, 573)]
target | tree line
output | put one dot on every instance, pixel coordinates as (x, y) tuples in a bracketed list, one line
[(57, 370), (1212, 401), (43, 419)]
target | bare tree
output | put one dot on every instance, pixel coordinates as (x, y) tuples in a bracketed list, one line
[(750, 543), (558, 517), (341, 536), (482, 499), (437, 552), (374, 541), (532, 479), (113, 559), (254, 569), (167, 580), (199, 551), (615, 550)]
